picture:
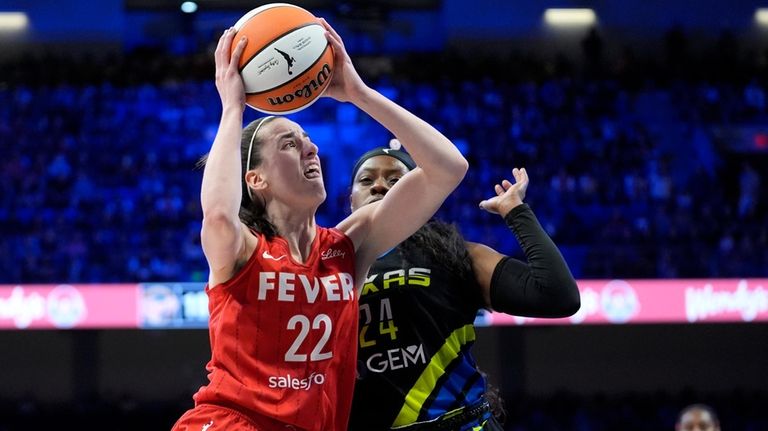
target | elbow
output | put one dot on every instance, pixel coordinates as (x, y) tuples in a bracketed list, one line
[(462, 166), (564, 299), (457, 170), (571, 299), (573, 306)]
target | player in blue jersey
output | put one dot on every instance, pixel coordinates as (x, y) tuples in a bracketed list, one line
[(419, 302)]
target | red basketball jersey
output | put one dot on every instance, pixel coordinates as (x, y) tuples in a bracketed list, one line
[(283, 335)]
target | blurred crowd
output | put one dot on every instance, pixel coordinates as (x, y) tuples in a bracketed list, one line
[(633, 177)]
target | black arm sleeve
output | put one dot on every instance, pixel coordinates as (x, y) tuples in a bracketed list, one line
[(542, 288)]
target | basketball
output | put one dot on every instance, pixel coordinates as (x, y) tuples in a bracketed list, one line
[(287, 62)]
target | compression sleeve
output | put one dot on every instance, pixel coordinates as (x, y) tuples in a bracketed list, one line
[(542, 288)]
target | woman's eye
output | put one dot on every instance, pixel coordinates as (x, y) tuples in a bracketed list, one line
[(392, 181), (365, 181), (290, 144)]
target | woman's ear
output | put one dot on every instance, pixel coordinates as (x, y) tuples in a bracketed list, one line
[(255, 180)]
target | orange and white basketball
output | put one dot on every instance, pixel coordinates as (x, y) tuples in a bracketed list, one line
[(287, 62)]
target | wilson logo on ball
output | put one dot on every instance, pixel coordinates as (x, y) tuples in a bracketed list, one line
[(307, 91)]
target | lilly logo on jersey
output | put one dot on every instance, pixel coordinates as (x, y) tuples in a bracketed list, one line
[(289, 382), (331, 253)]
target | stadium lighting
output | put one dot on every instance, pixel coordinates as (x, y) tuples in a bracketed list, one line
[(189, 7), (13, 21), (570, 17), (761, 16)]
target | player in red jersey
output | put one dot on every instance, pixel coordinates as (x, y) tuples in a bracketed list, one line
[(282, 290)]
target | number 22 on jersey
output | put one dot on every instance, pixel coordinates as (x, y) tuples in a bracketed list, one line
[(303, 324)]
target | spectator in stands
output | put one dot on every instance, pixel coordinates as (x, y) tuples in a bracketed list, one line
[(697, 417)]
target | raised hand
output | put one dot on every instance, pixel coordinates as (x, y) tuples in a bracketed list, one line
[(508, 195), (229, 83), (346, 84)]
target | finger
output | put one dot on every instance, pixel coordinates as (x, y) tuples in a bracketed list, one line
[(487, 205), (226, 47), (524, 178), (499, 190), (506, 184), (519, 175), (338, 48), (330, 29), (239, 48), (220, 45)]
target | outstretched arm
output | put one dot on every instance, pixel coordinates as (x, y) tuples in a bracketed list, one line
[(544, 287), (414, 199), (222, 234)]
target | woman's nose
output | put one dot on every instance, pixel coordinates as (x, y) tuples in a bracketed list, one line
[(310, 149)]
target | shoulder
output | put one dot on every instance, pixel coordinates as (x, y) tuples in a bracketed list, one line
[(357, 225), (476, 247), (358, 218), (334, 235), (480, 253)]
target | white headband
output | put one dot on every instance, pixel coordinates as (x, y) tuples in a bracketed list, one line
[(250, 148)]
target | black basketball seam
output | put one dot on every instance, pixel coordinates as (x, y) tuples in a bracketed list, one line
[(273, 41), (294, 78)]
